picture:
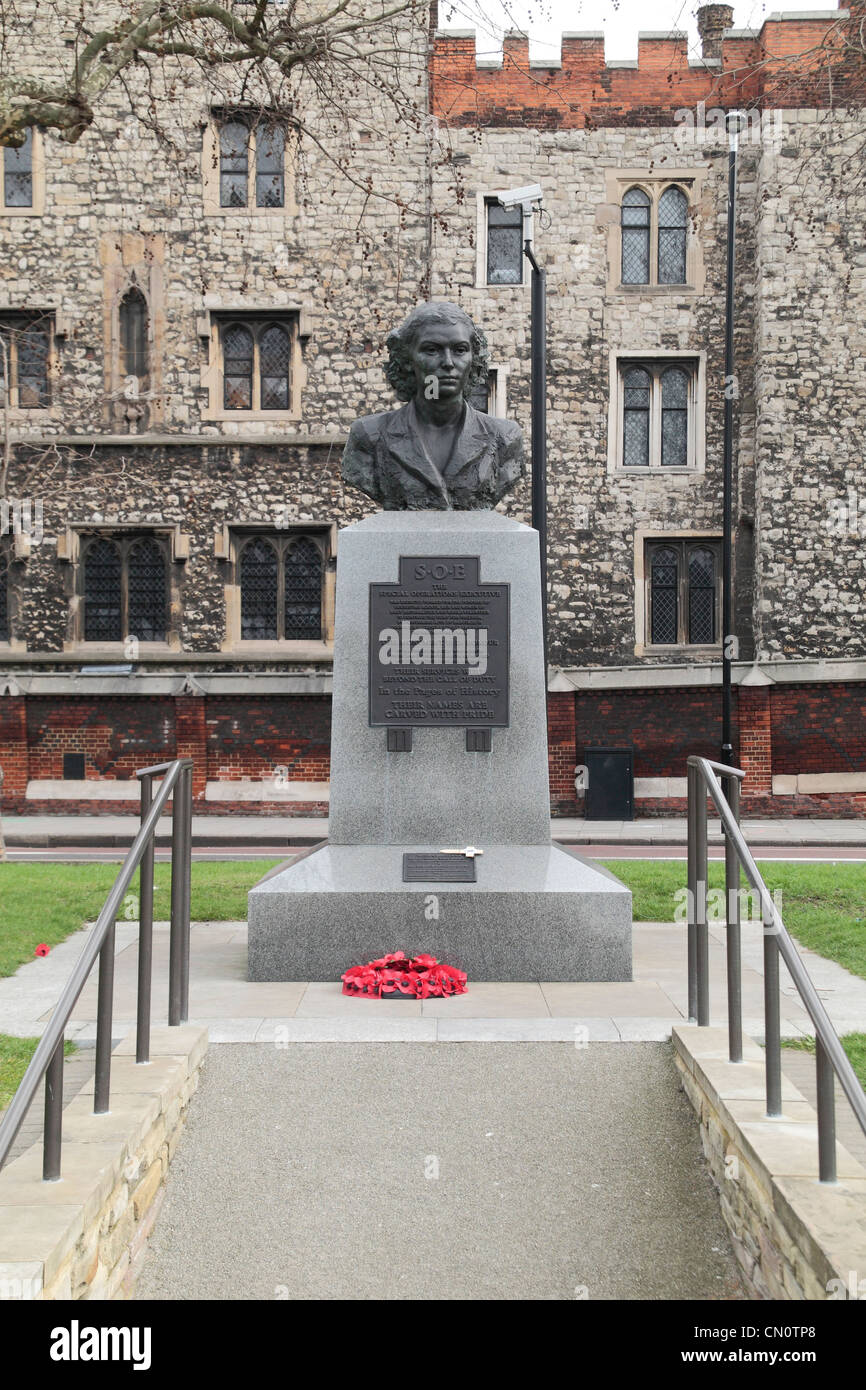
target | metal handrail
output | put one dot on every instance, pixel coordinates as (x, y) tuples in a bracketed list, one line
[(47, 1060), (830, 1057)]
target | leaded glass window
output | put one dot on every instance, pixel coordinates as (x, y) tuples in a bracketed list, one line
[(675, 418), (259, 591), (665, 595), (504, 245), (257, 363), (234, 142), (18, 174), (303, 579), (147, 591), (281, 579), (103, 620), (274, 365), (637, 387), (125, 588), (4, 596), (673, 230), (683, 592), (635, 215), (657, 403), (133, 334), (26, 344), (237, 367), (270, 158), (702, 595)]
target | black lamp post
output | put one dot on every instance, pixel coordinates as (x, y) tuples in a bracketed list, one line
[(528, 199), (728, 640)]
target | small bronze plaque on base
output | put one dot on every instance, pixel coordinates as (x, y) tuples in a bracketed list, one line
[(438, 868)]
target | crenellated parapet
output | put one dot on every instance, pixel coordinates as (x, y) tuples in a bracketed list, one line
[(782, 64)]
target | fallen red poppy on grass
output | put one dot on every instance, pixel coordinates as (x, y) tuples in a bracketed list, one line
[(42, 949), (415, 977)]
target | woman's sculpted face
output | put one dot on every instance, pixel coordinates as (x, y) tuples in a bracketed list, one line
[(441, 356)]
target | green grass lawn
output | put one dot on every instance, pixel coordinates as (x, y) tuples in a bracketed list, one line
[(46, 902), (823, 905), (15, 1053), (853, 1043)]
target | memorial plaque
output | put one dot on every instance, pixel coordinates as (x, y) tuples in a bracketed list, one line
[(439, 646), (438, 868)]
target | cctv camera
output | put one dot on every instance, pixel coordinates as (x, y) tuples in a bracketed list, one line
[(512, 197)]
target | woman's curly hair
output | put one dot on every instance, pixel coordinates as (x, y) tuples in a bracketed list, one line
[(399, 370)]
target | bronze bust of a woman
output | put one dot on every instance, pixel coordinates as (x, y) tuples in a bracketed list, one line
[(436, 451)]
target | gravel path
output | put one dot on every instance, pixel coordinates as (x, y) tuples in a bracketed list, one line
[(468, 1171)]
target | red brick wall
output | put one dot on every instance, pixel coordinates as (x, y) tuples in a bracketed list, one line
[(819, 728), (756, 740), (663, 726), (250, 738), (561, 753), (785, 67), (115, 735)]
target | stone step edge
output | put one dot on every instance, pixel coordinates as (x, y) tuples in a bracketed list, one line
[(794, 1236), (84, 1237)]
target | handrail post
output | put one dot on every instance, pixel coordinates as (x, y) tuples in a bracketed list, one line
[(187, 887), (826, 1084), (732, 917), (772, 1019), (176, 940), (53, 1130), (145, 932), (702, 938), (104, 1010), (692, 891)]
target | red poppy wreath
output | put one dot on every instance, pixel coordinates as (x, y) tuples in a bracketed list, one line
[(399, 975)]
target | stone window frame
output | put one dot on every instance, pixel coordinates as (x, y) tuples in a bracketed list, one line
[(9, 556), (133, 261), (211, 166), (70, 543), (689, 181), (644, 537), (37, 209), (228, 543), (497, 391), (656, 360), (24, 316), (294, 317), (484, 198)]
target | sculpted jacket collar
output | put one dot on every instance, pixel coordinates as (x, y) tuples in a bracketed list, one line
[(401, 445)]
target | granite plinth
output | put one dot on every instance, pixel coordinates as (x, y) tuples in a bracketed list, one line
[(439, 789), (535, 912)]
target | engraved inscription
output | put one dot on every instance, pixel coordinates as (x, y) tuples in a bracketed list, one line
[(439, 646), (438, 868)]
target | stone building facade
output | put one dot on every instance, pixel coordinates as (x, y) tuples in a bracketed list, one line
[(191, 328)]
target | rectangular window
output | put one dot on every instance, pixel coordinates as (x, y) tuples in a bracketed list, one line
[(683, 598), (18, 174), (257, 356), (25, 349), (504, 244), (656, 413), (250, 156), (124, 589)]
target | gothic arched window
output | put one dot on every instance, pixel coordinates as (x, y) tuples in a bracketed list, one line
[(636, 417), (303, 580), (259, 591), (635, 216), (132, 316), (675, 418), (4, 596), (683, 592), (125, 589), (673, 231), (281, 579), (257, 357)]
